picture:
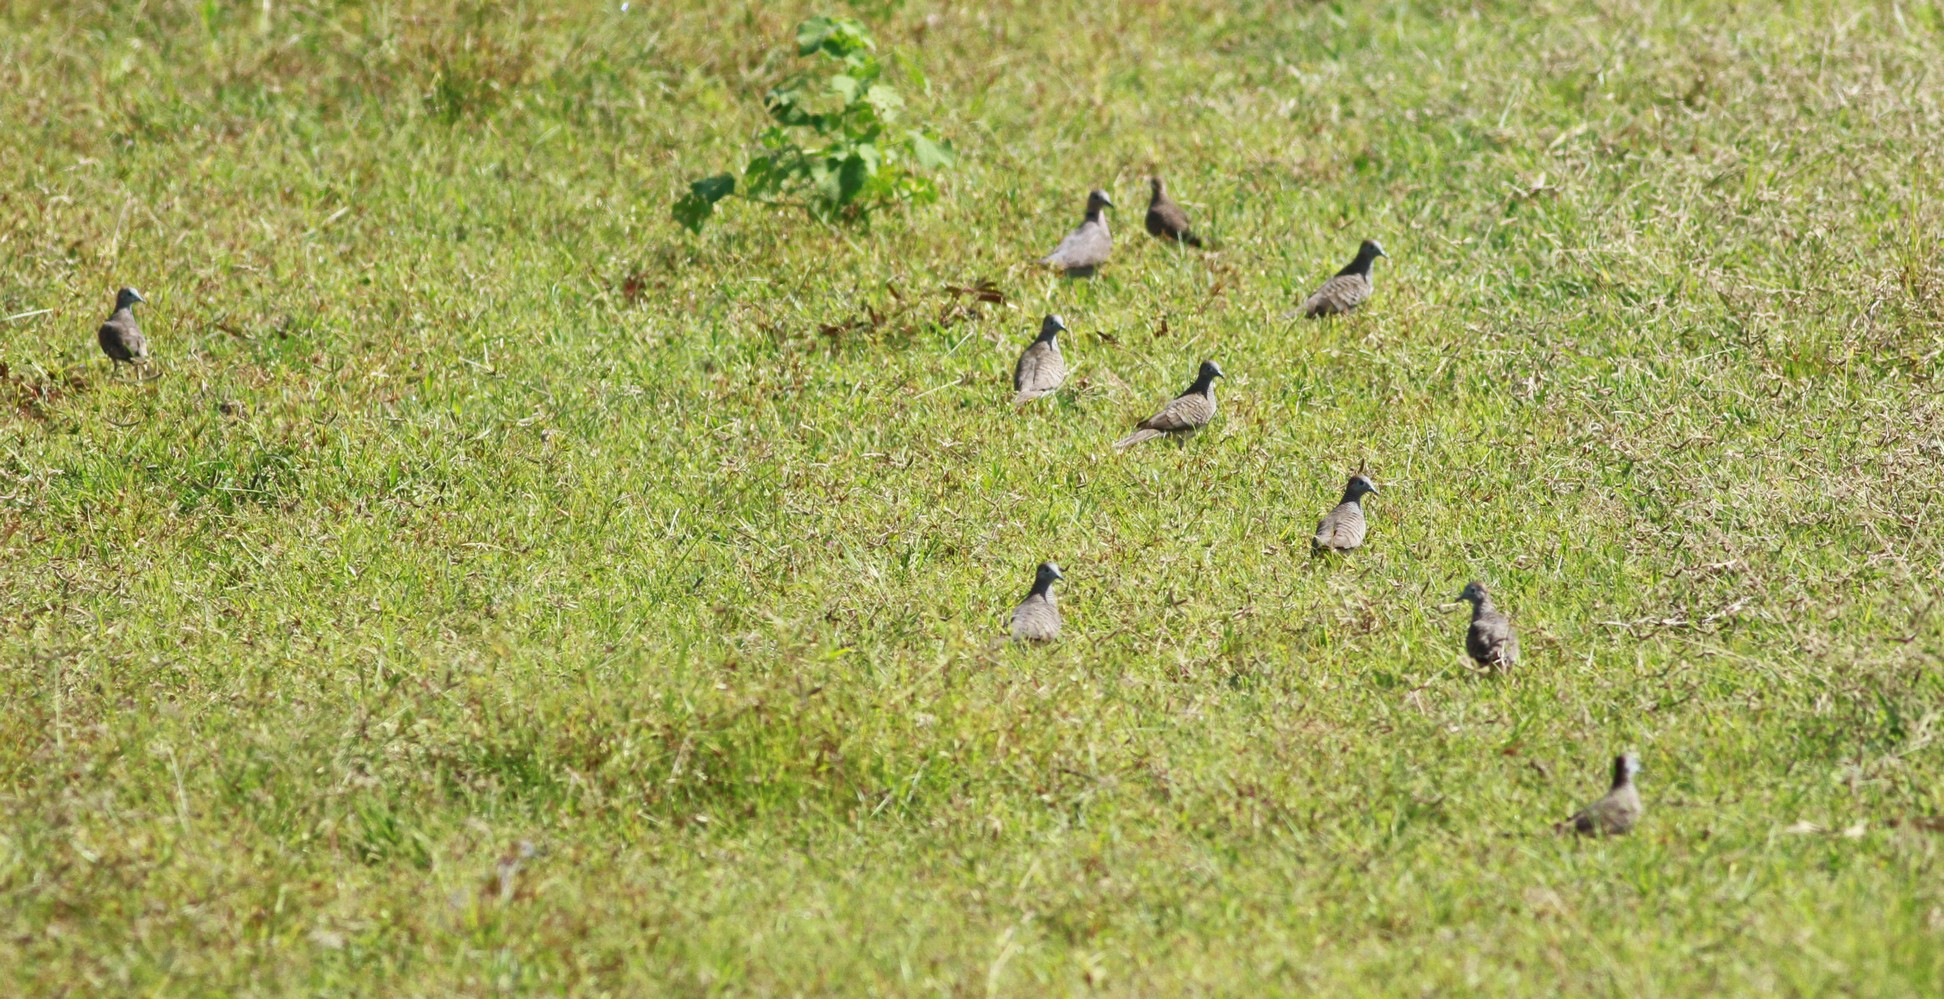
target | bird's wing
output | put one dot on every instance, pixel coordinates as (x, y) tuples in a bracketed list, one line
[(1034, 620), (1167, 218), (1500, 644), (1086, 246), (1067, 253), (1028, 366), (1185, 413), (1342, 525), (1339, 294), (1039, 370), (124, 336)]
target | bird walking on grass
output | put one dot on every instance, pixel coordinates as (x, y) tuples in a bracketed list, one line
[(1343, 527), (1037, 618), (1086, 247), (1616, 812), (1490, 641), (1349, 288), (121, 339), (1165, 219), (1187, 413), (1041, 369)]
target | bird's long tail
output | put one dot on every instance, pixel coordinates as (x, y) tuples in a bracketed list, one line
[(1135, 438)]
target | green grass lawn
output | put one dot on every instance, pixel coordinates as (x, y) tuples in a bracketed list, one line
[(475, 503)]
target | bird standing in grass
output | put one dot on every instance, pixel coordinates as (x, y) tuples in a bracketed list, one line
[(121, 339), (1041, 369), (1189, 412), (1037, 618), (1166, 219), (1349, 288), (1616, 813), (1086, 247), (1343, 527), (1490, 641)]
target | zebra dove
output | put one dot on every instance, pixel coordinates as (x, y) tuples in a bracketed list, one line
[(1166, 219), (1490, 641), (121, 339), (1349, 288), (1086, 247), (1616, 813), (1041, 369), (1037, 618), (1343, 527), (1189, 412)]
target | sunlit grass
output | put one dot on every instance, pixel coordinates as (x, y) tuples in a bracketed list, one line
[(478, 504)]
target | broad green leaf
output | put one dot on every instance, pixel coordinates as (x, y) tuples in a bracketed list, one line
[(760, 177), (693, 209), (885, 100), (854, 174), (837, 37), (872, 157), (824, 178), (931, 154)]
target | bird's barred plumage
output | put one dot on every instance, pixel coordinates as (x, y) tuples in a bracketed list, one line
[(1089, 245), (1343, 527), (1185, 414), (1350, 288), (1037, 618), (1041, 368)]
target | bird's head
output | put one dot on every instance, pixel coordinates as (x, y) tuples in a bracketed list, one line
[(1209, 371), (1052, 326), (1046, 574), (1371, 251), (1154, 185), (1360, 485), (1098, 199), (1474, 593), (1625, 766), (127, 297)]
